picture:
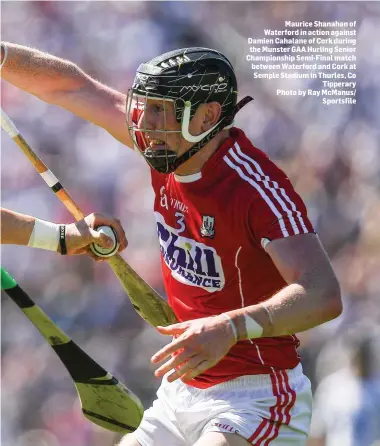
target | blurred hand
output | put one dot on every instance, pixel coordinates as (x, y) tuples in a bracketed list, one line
[(201, 343), (81, 234)]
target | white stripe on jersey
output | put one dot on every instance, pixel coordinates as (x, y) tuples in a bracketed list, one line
[(265, 180), (239, 275), (259, 189), (259, 354), (273, 190)]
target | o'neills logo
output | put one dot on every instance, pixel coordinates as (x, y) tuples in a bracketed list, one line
[(190, 262)]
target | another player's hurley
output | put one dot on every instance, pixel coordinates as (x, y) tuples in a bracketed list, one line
[(145, 300), (105, 401)]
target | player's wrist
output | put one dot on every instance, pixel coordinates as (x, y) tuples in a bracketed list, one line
[(247, 327), (49, 236), (232, 327)]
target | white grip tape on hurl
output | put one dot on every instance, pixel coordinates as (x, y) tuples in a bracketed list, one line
[(8, 125), (49, 178)]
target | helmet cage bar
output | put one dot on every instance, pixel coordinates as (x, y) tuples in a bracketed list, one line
[(159, 159)]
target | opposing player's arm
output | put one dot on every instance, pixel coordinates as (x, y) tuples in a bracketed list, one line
[(311, 298), (27, 230), (16, 228), (63, 83)]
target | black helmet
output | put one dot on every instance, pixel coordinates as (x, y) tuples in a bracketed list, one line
[(188, 77)]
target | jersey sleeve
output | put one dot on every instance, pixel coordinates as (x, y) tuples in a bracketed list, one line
[(276, 210)]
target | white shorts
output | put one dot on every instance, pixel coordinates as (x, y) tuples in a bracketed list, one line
[(266, 410)]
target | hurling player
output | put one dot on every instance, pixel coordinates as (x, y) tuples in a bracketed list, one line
[(242, 266)]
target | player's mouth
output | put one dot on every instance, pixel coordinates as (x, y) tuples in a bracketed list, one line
[(157, 144)]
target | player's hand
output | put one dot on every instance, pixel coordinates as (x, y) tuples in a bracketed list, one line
[(81, 234), (201, 343)]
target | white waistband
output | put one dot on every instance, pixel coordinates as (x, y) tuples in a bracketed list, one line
[(252, 381)]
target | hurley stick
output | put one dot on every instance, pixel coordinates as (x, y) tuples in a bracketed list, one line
[(145, 300), (105, 401)]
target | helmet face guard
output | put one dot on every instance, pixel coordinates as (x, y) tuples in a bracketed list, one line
[(152, 143), (176, 83)]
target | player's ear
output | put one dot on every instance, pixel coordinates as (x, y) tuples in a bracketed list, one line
[(212, 114)]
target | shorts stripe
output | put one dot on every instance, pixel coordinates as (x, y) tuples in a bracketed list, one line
[(283, 407), (269, 429), (266, 423), (292, 401), (275, 411), (257, 432)]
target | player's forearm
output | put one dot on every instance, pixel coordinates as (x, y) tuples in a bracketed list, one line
[(16, 228), (294, 309), (61, 82), (38, 73)]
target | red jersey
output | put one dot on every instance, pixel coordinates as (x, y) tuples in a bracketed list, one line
[(211, 227)]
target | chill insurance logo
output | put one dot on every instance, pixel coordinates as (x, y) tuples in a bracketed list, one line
[(190, 262)]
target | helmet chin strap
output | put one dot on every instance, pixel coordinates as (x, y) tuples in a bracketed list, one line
[(186, 122)]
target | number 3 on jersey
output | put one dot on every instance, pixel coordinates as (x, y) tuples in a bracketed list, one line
[(180, 222)]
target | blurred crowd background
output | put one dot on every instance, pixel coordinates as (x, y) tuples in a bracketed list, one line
[(331, 154)]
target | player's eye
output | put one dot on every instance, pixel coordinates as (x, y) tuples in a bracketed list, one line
[(157, 108)]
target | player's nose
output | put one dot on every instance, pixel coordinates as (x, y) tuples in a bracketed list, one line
[(147, 121)]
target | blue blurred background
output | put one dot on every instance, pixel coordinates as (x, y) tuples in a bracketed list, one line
[(331, 154)]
